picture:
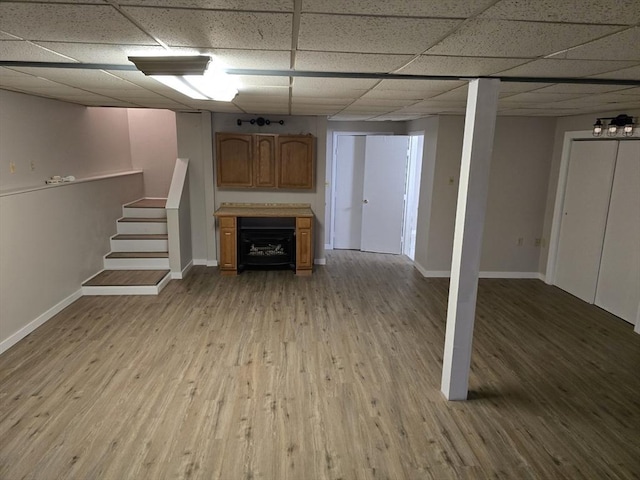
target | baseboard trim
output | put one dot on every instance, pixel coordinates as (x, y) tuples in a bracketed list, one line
[(183, 273), (320, 261), (40, 320), (212, 263), (423, 271), (447, 274), (328, 246)]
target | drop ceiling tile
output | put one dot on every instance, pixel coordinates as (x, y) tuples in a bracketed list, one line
[(463, 66), (21, 50), (368, 109), (535, 97), (264, 91), (632, 73), (216, 29), (504, 38), (383, 102), (349, 117), (325, 85), (623, 12), (262, 81), (518, 87), (409, 95), (532, 112), (59, 1), (222, 107), (619, 46), (404, 8), (580, 89), (342, 102), (130, 94), (314, 110), (245, 98), (398, 117), (265, 109), (70, 23), (424, 86), (7, 36), (349, 62), (635, 91), (245, 5), (86, 79), (102, 53), (340, 33), (549, 67), (253, 59)]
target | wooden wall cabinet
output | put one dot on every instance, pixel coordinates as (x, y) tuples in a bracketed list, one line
[(264, 161), (228, 246), (295, 165)]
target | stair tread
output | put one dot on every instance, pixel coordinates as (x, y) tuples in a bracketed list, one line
[(148, 203), (142, 220), (126, 278), (138, 255), (141, 236)]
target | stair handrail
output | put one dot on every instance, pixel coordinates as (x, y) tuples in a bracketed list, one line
[(179, 221)]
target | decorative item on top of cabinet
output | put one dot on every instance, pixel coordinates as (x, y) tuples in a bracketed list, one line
[(264, 161)]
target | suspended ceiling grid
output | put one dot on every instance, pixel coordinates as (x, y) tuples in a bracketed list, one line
[(508, 38)]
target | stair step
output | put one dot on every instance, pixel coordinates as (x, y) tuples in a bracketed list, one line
[(127, 282), (140, 236), (142, 220), (148, 203), (138, 255)]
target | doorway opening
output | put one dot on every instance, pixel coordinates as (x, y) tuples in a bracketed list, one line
[(376, 192)]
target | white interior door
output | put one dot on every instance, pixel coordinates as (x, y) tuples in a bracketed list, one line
[(586, 202), (349, 178), (618, 288), (384, 193)]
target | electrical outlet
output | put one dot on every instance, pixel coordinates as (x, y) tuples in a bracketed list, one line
[(12, 167), (32, 165), (538, 242), (520, 241)]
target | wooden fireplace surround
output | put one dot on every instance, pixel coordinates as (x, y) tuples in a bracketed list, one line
[(228, 215)]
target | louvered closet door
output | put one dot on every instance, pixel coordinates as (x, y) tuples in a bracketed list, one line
[(618, 288), (584, 217)]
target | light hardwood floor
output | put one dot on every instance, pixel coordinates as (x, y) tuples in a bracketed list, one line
[(335, 376)]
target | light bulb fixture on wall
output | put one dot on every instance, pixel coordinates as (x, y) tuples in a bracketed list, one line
[(623, 124), (193, 76)]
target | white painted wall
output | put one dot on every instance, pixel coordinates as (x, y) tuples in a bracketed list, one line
[(517, 193), (60, 139), (154, 147)]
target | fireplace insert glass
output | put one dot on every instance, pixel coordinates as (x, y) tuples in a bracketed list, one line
[(266, 243)]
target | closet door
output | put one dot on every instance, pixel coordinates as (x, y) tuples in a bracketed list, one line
[(618, 289), (584, 218)]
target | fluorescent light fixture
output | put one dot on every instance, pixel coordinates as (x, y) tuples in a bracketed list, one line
[(192, 76)]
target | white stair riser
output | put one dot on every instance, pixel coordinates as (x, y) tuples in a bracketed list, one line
[(139, 245), (136, 263), (144, 212), (142, 227)]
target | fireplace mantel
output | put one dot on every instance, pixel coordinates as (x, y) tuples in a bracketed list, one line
[(229, 214)]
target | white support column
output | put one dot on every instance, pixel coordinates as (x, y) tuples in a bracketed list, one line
[(482, 102)]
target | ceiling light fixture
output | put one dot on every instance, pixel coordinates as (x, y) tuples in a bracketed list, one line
[(621, 124), (193, 76)]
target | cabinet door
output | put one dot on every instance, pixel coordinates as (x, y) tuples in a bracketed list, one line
[(234, 160), (295, 161), (304, 245), (264, 160), (228, 245)]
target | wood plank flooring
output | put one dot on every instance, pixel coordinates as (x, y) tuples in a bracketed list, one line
[(335, 376)]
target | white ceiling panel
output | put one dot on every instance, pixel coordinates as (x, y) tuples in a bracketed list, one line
[(383, 102), (223, 107), (342, 102), (397, 117), (101, 53), (425, 86), (252, 59), (581, 89), (338, 33), (403, 8), (550, 67), (619, 46), (621, 12), (246, 5), (350, 117), (217, 29), (314, 110), (518, 87), (86, 79), (463, 66), (632, 73), (21, 50), (503, 38), (262, 81), (349, 62), (70, 23), (332, 84)]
